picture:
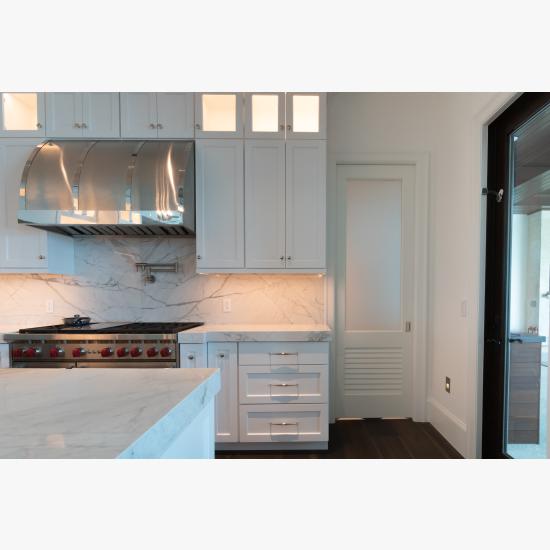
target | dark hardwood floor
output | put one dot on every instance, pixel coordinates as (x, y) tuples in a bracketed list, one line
[(370, 438)]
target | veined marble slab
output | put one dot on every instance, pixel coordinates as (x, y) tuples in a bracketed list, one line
[(99, 413), (255, 333)]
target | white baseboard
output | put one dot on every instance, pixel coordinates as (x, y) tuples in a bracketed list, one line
[(448, 425)]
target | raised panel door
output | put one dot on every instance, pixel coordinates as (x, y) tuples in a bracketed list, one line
[(101, 116), (138, 115), (64, 114), (175, 115)]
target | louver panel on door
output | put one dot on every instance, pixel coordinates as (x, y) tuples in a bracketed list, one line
[(373, 371)]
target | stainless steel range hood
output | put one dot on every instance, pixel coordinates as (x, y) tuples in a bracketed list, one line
[(132, 188)]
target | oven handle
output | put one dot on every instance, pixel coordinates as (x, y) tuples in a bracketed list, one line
[(126, 365)]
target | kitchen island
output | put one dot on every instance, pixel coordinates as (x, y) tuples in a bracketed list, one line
[(107, 413)]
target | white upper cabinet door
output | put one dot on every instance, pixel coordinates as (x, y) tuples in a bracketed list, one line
[(21, 247), (138, 115), (64, 115), (264, 115), (22, 114), (175, 115), (265, 203), (223, 356), (306, 204), (218, 115), (101, 117), (220, 203), (306, 116)]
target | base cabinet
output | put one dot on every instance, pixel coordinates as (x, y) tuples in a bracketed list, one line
[(273, 393)]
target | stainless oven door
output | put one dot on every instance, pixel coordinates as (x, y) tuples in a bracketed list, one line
[(43, 365)]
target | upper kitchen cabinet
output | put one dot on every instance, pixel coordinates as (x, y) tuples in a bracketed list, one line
[(220, 204), (306, 116), (156, 115), (22, 114), (264, 115), (306, 184), (25, 249), (94, 115), (218, 115)]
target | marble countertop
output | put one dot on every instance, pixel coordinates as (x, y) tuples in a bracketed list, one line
[(255, 333), (98, 413)]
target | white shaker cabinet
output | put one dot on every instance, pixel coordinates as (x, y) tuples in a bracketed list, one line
[(265, 204), (156, 115), (306, 116), (306, 204), (264, 115), (25, 249), (81, 115), (192, 356), (223, 356), (220, 203), (22, 114), (219, 115)]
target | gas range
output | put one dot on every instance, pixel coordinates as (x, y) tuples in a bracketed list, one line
[(84, 344)]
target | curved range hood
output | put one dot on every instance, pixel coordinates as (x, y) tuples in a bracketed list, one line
[(107, 187)]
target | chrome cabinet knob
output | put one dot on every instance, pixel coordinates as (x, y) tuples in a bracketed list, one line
[(38, 125), (190, 357), (282, 258), (41, 257), (198, 126), (159, 126), (289, 127), (84, 125), (289, 257), (76, 125), (199, 257), (152, 126), (282, 127), (221, 355)]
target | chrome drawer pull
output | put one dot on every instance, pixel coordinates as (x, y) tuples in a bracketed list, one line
[(284, 353), (284, 424), (295, 433), (294, 395), (283, 385)]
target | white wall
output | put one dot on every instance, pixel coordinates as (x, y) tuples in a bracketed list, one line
[(518, 267), (449, 128)]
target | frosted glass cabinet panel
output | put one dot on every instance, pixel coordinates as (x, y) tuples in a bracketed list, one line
[(265, 115), (22, 114), (218, 115), (306, 115)]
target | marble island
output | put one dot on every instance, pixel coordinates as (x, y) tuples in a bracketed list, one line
[(256, 333), (107, 413)]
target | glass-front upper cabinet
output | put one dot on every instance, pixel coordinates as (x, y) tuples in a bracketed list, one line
[(22, 114), (306, 116), (218, 115), (265, 115)]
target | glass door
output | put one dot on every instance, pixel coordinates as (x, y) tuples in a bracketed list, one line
[(526, 403), (517, 281)]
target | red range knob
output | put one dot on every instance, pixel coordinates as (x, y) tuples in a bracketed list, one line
[(78, 352), (106, 352), (151, 352), (135, 352), (122, 352), (56, 352), (31, 352), (17, 352), (165, 352)]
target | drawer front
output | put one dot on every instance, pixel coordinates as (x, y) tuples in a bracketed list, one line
[(280, 354), (259, 384), (192, 356), (276, 423)]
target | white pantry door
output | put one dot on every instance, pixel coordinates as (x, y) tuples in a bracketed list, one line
[(374, 290)]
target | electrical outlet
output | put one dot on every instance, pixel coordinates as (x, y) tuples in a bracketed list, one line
[(447, 384), (49, 306), (226, 305)]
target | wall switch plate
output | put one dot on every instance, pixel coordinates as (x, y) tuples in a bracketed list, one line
[(464, 308), (49, 306), (447, 384), (226, 305)]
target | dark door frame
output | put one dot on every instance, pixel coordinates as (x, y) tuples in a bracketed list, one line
[(496, 267)]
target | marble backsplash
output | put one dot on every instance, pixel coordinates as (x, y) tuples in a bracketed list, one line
[(107, 287)]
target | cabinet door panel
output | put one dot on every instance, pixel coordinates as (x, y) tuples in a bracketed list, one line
[(265, 203), (175, 113), (138, 115), (64, 114), (306, 116), (306, 204), (220, 204), (101, 115), (192, 356), (218, 115), (21, 247), (265, 115), (223, 356), (22, 114)]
